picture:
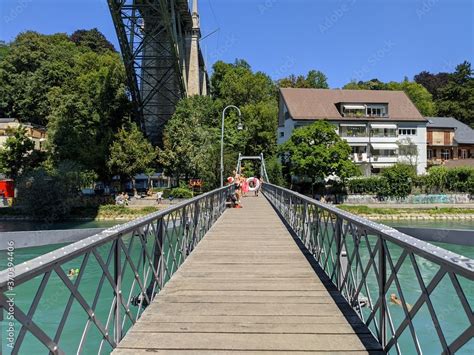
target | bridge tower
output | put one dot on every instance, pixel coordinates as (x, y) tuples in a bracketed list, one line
[(159, 41)]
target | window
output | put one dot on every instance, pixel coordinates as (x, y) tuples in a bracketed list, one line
[(376, 111), (445, 155), (407, 131), (353, 131), (372, 111), (383, 132), (464, 154), (282, 134), (384, 153), (430, 153)]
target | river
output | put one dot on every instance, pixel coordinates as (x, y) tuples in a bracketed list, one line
[(51, 308)]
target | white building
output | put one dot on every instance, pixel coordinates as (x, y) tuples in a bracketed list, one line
[(379, 125)]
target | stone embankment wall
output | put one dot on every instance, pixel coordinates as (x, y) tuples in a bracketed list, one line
[(412, 199)]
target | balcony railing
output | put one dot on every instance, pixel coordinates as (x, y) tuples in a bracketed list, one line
[(121, 271), (406, 291)]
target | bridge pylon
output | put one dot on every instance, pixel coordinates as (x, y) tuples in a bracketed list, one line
[(159, 41)]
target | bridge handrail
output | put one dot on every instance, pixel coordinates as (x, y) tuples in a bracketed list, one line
[(358, 256), (183, 224)]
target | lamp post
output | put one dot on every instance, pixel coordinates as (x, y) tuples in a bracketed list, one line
[(239, 127)]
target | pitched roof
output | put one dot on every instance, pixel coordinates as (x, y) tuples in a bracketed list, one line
[(463, 134), (321, 103)]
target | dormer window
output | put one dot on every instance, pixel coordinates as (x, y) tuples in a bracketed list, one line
[(376, 110)]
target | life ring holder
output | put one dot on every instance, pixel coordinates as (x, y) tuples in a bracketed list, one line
[(256, 183)]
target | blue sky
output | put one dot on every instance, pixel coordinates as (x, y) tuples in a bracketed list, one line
[(346, 39)]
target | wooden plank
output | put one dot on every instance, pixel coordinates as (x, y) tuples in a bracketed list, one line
[(247, 288)]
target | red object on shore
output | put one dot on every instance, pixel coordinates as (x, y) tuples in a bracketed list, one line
[(7, 188)]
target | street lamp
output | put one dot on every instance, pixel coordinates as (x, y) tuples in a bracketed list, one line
[(239, 127)]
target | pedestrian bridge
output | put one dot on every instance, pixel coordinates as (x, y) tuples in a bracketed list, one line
[(283, 274)]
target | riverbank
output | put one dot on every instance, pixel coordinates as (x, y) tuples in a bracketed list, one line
[(107, 212), (419, 212)]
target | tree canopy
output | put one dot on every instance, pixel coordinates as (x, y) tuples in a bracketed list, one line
[(456, 98), (131, 153), (92, 39), (315, 79), (316, 152), (14, 155), (79, 94)]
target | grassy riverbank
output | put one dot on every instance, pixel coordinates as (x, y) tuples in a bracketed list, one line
[(420, 212), (106, 212)]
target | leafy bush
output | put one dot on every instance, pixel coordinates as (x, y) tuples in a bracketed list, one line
[(399, 180), (369, 185), (275, 172), (436, 179), (457, 179), (51, 194), (180, 192)]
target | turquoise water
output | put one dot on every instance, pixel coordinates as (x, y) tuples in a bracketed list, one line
[(56, 296), (13, 226)]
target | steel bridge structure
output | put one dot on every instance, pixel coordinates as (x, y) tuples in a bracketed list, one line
[(159, 41)]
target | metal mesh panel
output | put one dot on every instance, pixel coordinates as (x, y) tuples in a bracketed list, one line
[(120, 272), (369, 262)]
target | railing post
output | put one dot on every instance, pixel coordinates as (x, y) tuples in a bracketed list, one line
[(382, 283), (197, 210), (303, 224), (118, 290), (338, 240)]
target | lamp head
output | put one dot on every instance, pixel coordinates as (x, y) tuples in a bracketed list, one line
[(240, 126)]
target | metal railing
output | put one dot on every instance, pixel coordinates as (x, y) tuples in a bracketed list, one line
[(415, 297), (121, 270)]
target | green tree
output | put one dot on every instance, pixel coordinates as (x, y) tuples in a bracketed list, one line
[(238, 85), (4, 49), (40, 66), (316, 152), (92, 39), (399, 180), (315, 79), (456, 99), (130, 154), (50, 193), (15, 153), (433, 82), (190, 141), (418, 94)]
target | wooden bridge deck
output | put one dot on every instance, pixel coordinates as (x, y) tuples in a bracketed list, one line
[(247, 288)]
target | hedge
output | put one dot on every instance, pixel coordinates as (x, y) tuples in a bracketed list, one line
[(400, 180)]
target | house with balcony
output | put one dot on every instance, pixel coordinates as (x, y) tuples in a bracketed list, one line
[(36, 133), (449, 140), (382, 127)]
